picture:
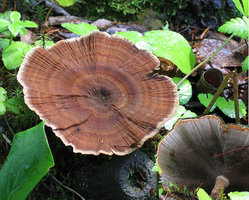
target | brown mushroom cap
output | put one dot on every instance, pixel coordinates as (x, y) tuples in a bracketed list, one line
[(95, 93), (197, 151)]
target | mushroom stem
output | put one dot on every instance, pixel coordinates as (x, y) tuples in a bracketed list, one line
[(221, 183)]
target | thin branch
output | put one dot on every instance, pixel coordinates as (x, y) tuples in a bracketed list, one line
[(203, 62), (217, 94), (66, 187), (235, 96), (7, 123)]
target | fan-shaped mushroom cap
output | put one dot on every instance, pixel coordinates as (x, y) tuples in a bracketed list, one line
[(95, 93), (197, 151)]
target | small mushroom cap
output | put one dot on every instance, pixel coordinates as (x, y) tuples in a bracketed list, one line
[(95, 93), (197, 151)]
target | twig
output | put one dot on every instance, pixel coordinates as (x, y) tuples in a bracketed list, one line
[(235, 97), (203, 62), (6, 139), (7, 123), (217, 94), (66, 187), (3, 5)]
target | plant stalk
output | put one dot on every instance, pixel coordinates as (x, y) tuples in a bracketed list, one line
[(7, 123), (235, 97), (217, 94), (206, 60)]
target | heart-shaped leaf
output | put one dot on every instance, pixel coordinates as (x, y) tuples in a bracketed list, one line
[(238, 27), (28, 161), (14, 29)]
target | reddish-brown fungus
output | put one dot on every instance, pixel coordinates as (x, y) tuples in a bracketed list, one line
[(188, 155), (95, 93)]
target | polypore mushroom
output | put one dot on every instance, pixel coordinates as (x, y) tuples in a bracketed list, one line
[(202, 152), (94, 92)]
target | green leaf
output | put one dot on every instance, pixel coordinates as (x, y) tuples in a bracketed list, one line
[(166, 44), (180, 114), (16, 50), (65, 3), (2, 108), (133, 36), (239, 27), (205, 99), (15, 17), (184, 90), (4, 29), (4, 22), (23, 30), (227, 107), (80, 29), (245, 64), (202, 195), (28, 24), (239, 195), (3, 94), (14, 29), (243, 9), (29, 160), (172, 46), (14, 104)]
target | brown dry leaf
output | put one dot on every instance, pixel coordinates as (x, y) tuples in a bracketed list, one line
[(58, 20), (29, 37)]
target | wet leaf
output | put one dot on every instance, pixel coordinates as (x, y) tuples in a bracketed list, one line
[(165, 44), (2, 108), (15, 17), (227, 107), (205, 99), (80, 29), (3, 94), (184, 90), (29, 160), (238, 27), (180, 114), (171, 46), (239, 195), (16, 50), (245, 64)]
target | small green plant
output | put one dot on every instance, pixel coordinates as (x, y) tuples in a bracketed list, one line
[(15, 25), (80, 29)]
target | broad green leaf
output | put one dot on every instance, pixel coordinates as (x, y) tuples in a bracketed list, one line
[(166, 44), (238, 27), (245, 64), (4, 22), (184, 90), (29, 160), (15, 17), (14, 104), (205, 99), (239, 195), (227, 107), (14, 29), (2, 109), (172, 46), (202, 195), (133, 36), (245, 5), (65, 3), (28, 24), (16, 50), (180, 114), (80, 29), (4, 43), (3, 94)]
